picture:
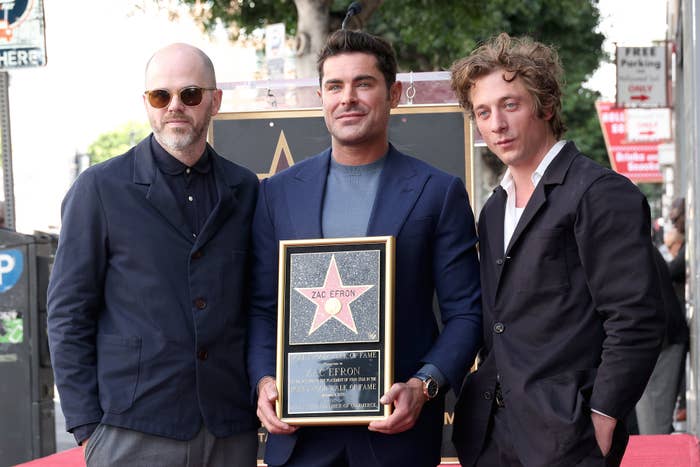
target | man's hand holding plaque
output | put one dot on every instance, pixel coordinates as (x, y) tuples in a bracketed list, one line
[(408, 400), (267, 398)]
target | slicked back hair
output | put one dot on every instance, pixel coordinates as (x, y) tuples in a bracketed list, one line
[(344, 41)]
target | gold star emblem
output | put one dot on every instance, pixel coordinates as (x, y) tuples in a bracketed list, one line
[(282, 158)]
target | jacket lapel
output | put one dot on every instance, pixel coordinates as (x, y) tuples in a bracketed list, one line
[(400, 184), (158, 194), (226, 186), (492, 221), (304, 192), (536, 201), (554, 175), (491, 234)]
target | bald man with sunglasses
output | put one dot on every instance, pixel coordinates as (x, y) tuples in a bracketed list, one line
[(146, 301)]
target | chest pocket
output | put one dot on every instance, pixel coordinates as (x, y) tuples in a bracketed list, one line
[(542, 260)]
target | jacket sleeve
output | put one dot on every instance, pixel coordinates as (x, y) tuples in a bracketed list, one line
[(262, 323), (75, 299), (457, 286), (613, 235)]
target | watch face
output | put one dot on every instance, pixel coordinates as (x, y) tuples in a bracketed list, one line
[(431, 388)]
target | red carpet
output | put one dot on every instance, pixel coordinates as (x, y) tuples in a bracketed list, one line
[(642, 451), (70, 458), (662, 451)]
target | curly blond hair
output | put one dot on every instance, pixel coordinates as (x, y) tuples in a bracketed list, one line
[(536, 64)]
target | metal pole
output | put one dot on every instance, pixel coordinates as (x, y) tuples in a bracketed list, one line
[(691, 116), (6, 149)]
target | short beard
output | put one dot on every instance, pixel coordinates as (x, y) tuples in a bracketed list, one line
[(177, 141), (180, 140)]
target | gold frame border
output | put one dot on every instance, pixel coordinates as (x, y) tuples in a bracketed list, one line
[(388, 368)]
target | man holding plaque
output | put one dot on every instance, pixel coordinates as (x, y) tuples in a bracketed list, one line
[(363, 186), (573, 318)]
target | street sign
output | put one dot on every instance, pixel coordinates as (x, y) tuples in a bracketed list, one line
[(642, 77), (648, 124), (22, 43), (637, 159)]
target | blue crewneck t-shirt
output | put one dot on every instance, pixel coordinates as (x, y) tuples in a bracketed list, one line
[(349, 198)]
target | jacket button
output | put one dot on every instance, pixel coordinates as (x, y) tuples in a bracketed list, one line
[(200, 303), (197, 254), (499, 328), (487, 395), (202, 354), (499, 261)]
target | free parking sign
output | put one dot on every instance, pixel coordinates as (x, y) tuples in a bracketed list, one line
[(642, 77)]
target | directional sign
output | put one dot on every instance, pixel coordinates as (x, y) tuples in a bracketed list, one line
[(22, 42), (642, 77), (637, 160), (648, 124)]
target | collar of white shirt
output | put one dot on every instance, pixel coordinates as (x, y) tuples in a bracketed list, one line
[(507, 180), (512, 214)]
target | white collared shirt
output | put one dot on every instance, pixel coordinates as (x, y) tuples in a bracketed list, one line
[(512, 214)]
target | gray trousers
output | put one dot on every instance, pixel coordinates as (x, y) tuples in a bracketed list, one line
[(112, 446), (655, 408)]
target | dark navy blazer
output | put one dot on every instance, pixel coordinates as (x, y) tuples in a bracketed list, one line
[(147, 323), (428, 212)]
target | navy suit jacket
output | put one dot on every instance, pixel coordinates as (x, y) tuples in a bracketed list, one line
[(146, 323), (428, 212), (573, 319)]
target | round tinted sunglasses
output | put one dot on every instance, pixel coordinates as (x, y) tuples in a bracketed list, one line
[(190, 96)]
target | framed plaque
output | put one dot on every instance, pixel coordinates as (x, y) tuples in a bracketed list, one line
[(335, 330)]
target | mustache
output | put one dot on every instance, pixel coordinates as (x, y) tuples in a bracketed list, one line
[(351, 110), (175, 116)]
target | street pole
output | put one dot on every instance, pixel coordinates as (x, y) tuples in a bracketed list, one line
[(6, 150)]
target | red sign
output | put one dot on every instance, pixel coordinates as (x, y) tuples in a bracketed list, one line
[(636, 160)]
